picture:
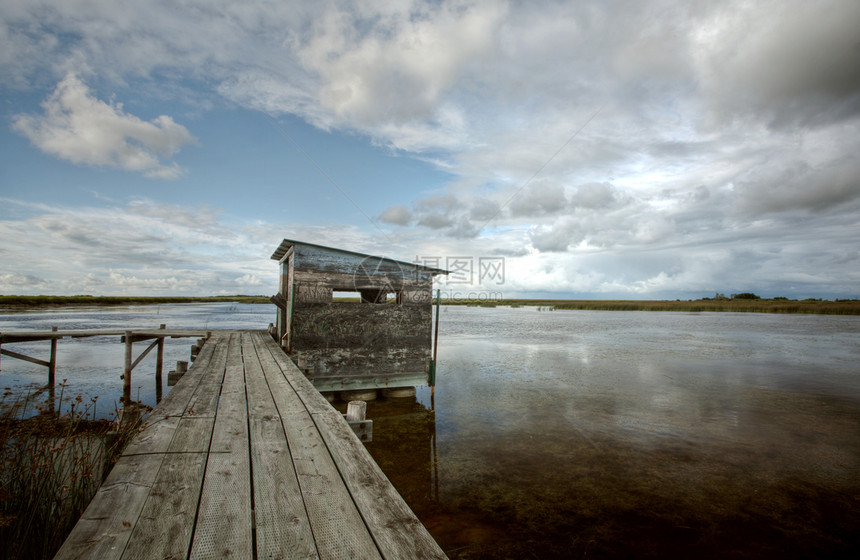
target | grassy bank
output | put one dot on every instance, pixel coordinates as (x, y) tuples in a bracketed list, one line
[(47, 301), (776, 305)]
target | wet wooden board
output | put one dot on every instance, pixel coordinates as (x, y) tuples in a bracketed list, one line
[(245, 459)]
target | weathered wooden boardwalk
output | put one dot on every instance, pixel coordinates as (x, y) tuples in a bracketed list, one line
[(245, 459)]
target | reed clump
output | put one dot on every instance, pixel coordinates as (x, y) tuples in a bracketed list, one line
[(51, 467)]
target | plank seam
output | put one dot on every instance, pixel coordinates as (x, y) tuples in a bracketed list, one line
[(308, 514), (205, 466), (250, 454), (329, 450), (349, 490)]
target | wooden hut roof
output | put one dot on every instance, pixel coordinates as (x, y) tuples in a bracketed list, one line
[(287, 244)]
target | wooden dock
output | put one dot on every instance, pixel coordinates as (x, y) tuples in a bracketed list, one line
[(245, 459)]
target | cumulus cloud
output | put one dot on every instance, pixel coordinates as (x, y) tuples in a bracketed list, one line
[(558, 237), (796, 185), (539, 199), (399, 69), (17, 283), (594, 195), (397, 215), (435, 220), (484, 210), (795, 62), (134, 250), (248, 280), (77, 127), (721, 125)]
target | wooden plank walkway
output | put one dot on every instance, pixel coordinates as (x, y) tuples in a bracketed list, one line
[(245, 459)]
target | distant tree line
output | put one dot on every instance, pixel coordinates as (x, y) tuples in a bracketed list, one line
[(743, 295)]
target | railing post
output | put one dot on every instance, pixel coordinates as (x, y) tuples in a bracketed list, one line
[(52, 374), (159, 365), (126, 376), (52, 364)]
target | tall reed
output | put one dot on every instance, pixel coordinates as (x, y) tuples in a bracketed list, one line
[(51, 468)]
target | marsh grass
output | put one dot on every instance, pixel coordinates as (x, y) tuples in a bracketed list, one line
[(733, 305), (51, 468)]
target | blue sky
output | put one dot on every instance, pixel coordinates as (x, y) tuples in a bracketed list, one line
[(600, 149)]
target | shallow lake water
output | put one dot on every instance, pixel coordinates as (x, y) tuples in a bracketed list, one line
[(92, 367), (584, 434)]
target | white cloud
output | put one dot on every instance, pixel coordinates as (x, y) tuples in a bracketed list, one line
[(540, 198), (725, 149), (397, 215), (398, 70), (79, 128), (248, 280), (17, 283), (789, 62), (435, 220), (144, 248)]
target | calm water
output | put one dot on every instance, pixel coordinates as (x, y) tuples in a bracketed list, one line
[(93, 367), (576, 434)]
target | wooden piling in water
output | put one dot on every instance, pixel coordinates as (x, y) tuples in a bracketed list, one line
[(159, 361), (356, 411), (52, 365), (356, 417), (174, 376), (126, 375)]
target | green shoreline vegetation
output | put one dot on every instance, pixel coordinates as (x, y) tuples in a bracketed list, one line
[(736, 303), (48, 301)]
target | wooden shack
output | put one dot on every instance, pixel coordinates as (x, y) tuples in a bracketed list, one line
[(376, 334)]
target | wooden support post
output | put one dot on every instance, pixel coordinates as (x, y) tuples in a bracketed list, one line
[(431, 377), (356, 412), (52, 374), (159, 366), (126, 376), (52, 364), (173, 377), (195, 348), (128, 415)]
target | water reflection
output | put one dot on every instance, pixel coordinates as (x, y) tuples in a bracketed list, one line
[(635, 435), (602, 434), (404, 433)]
